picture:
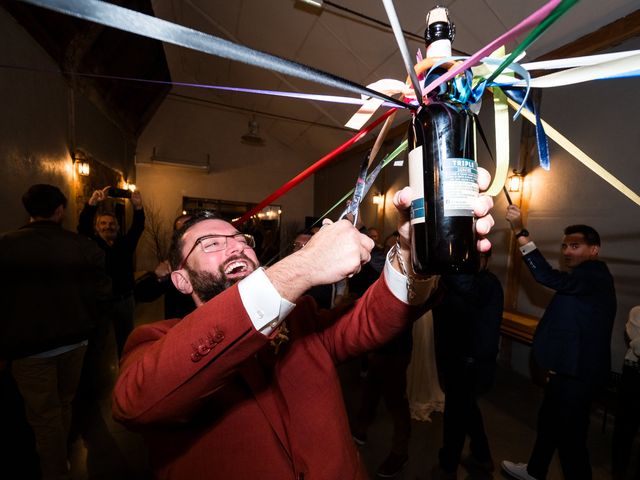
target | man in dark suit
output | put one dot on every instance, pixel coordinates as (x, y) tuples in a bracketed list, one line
[(52, 283), (572, 341), (466, 328)]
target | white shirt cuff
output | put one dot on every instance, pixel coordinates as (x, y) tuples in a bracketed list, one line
[(264, 305), (527, 248), (397, 283)]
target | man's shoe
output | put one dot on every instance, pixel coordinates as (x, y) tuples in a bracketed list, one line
[(360, 437), (393, 465), (471, 461), (517, 470)]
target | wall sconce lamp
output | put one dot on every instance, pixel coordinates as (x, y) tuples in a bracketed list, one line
[(81, 165), (516, 181), (378, 199), (82, 168)]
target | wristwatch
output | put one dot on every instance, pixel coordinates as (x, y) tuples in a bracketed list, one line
[(522, 233)]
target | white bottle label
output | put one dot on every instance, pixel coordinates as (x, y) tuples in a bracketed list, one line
[(459, 186), (416, 182)]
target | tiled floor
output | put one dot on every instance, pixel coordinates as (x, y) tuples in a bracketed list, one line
[(509, 411), (105, 450)]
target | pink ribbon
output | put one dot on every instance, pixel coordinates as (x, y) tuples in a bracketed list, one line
[(312, 169), (531, 21)]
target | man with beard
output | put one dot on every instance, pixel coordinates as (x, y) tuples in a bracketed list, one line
[(245, 386), (119, 252)]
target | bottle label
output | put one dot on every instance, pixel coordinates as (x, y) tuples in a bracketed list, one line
[(459, 186), (416, 182)]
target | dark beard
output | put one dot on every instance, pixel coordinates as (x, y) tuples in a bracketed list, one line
[(207, 285)]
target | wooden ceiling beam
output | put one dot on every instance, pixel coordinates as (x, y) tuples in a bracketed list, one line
[(606, 37)]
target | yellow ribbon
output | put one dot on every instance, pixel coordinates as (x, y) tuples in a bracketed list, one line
[(580, 155), (501, 114)]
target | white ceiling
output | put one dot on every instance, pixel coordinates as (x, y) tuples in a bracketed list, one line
[(341, 44)]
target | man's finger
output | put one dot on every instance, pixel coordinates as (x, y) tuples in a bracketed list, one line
[(484, 179), (484, 245), (482, 205), (484, 224), (402, 198)]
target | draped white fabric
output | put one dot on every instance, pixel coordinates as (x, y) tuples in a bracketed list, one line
[(423, 387)]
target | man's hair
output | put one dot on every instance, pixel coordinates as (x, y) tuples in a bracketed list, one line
[(182, 216), (41, 200), (175, 251), (590, 234)]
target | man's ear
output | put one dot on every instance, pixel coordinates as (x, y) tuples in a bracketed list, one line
[(595, 249), (181, 281), (58, 214)]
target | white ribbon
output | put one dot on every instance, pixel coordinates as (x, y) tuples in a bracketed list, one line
[(387, 85)]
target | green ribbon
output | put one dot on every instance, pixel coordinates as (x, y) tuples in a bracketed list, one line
[(560, 10)]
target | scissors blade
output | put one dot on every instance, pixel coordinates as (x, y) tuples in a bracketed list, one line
[(359, 192), (371, 178)]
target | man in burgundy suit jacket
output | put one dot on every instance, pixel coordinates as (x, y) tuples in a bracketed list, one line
[(245, 387)]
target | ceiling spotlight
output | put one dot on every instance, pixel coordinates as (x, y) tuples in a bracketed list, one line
[(252, 137), (313, 3)]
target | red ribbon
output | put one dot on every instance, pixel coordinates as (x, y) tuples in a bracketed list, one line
[(312, 169)]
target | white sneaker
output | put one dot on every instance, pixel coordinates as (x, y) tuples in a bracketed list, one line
[(516, 470)]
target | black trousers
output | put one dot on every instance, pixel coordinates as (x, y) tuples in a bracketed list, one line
[(627, 421), (387, 379), (563, 423), (462, 417)]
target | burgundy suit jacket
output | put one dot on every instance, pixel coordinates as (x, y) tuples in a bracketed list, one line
[(215, 402)]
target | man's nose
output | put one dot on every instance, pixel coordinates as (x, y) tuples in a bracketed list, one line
[(234, 246)]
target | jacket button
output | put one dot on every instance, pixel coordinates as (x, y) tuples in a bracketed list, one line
[(203, 349), (218, 337), (195, 357)]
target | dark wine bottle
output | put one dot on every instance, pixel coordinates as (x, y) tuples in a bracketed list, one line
[(442, 172)]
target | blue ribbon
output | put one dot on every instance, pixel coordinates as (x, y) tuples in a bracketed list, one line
[(518, 95)]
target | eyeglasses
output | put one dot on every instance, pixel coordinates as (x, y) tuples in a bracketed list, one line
[(216, 243)]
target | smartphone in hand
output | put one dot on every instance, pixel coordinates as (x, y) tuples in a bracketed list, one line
[(119, 193)]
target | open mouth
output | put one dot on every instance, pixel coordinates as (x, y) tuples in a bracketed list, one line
[(236, 267)]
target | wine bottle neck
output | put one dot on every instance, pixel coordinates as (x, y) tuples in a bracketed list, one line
[(439, 33), (439, 48)]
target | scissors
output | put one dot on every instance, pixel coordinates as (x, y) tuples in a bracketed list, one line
[(363, 184)]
